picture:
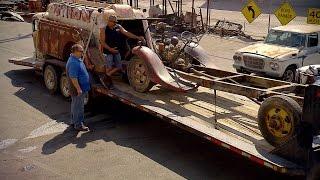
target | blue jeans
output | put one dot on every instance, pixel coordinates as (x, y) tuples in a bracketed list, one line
[(113, 60), (77, 110)]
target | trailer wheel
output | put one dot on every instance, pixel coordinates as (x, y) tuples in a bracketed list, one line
[(51, 79), (64, 85), (138, 75), (278, 117)]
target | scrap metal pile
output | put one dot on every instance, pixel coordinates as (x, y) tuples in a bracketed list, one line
[(7, 13), (177, 20), (169, 47), (183, 23), (308, 74), (226, 28)]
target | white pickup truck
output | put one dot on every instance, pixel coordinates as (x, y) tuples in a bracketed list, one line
[(285, 49)]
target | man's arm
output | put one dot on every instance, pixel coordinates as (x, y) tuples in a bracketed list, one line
[(76, 85), (130, 35), (102, 39)]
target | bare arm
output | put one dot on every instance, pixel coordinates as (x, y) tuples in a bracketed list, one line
[(102, 39), (129, 34), (76, 85)]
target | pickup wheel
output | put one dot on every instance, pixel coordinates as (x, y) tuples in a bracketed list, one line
[(289, 74), (51, 79), (64, 85), (138, 75), (277, 118), (239, 70)]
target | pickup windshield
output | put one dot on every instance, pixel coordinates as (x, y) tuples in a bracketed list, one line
[(284, 38)]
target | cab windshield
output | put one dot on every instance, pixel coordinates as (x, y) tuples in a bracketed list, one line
[(283, 38)]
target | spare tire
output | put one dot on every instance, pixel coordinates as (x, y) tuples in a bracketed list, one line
[(278, 117)]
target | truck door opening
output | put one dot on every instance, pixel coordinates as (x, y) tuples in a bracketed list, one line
[(135, 27)]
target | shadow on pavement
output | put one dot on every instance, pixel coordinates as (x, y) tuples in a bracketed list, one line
[(33, 91), (19, 37), (186, 154)]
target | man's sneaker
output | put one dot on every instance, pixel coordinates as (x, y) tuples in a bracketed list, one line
[(82, 128), (111, 86)]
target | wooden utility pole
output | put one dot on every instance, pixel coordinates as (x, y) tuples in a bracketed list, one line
[(208, 7), (192, 13)]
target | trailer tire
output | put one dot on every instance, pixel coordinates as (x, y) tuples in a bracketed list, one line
[(138, 75), (50, 76), (64, 85), (278, 117)]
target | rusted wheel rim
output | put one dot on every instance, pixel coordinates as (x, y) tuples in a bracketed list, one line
[(64, 85), (49, 79), (140, 73), (279, 122)]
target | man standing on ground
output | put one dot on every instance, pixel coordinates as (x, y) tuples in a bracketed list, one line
[(79, 86)]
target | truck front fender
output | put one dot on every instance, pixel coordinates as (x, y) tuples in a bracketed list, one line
[(157, 72)]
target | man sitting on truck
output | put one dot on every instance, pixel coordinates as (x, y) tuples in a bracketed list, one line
[(79, 86), (110, 39)]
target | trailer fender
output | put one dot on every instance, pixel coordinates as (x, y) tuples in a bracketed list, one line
[(157, 71)]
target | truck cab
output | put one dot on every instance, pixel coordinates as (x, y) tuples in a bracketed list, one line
[(285, 49)]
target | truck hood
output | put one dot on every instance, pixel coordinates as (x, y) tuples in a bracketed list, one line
[(269, 50)]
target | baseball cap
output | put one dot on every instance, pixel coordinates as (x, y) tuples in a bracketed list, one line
[(113, 18)]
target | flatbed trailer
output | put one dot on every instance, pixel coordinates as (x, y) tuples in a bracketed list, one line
[(225, 119), (229, 122)]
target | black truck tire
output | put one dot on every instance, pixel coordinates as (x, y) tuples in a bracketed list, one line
[(278, 117), (64, 85), (51, 79), (138, 75), (289, 74)]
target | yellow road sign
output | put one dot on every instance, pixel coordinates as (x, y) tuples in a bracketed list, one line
[(285, 13), (313, 16), (251, 11)]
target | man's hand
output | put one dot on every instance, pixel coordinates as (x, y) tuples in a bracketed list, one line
[(90, 67), (79, 91), (113, 50), (141, 38)]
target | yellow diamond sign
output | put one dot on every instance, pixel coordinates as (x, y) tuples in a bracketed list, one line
[(314, 16), (285, 13), (251, 11)]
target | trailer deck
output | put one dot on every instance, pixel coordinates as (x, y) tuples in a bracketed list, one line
[(223, 118), (231, 123)]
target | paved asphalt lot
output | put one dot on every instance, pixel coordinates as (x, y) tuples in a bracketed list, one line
[(35, 142)]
